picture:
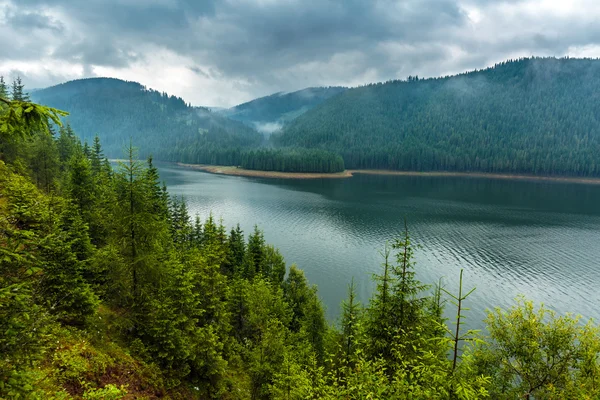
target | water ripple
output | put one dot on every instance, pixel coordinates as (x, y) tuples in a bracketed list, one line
[(540, 240)]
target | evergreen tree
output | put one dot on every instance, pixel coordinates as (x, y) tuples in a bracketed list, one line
[(17, 91), (86, 150), (44, 161), (81, 186), (350, 323), (255, 254), (3, 89), (97, 156), (135, 216), (274, 265), (64, 254), (67, 144)]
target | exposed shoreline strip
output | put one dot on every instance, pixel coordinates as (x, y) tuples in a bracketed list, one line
[(234, 171), (225, 170)]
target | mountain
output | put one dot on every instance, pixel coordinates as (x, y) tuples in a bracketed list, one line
[(118, 111), (268, 114), (532, 115)]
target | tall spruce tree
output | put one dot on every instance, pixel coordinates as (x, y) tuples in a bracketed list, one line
[(18, 94), (3, 88), (97, 156)]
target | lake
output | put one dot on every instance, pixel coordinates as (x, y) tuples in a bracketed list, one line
[(532, 238)]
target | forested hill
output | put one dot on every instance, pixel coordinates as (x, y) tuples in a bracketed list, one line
[(118, 111), (270, 113), (536, 115), (110, 290)]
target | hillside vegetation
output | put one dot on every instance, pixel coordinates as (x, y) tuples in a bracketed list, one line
[(119, 111), (270, 113), (109, 290), (534, 116)]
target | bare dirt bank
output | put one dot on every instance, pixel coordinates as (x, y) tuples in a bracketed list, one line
[(223, 170), (265, 174)]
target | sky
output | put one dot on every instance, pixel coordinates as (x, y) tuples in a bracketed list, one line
[(225, 52)]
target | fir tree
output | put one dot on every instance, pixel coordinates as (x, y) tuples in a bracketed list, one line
[(3, 88), (17, 91)]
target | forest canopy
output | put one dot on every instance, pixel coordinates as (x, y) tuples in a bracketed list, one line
[(110, 289), (527, 116), (531, 116)]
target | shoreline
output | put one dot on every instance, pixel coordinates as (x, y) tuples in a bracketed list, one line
[(349, 173), (486, 175), (235, 171)]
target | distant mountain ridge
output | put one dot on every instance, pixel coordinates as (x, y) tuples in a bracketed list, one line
[(528, 116), (120, 110), (270, 113), (532, 116)]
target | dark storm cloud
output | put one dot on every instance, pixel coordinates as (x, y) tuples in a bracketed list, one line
[(109, 31), (27, 21), (267, 45), (241, 37), (103, 51)]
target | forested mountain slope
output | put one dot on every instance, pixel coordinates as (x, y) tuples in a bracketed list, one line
[(110, 290), (536, 115), (270, 113), (118, 111)]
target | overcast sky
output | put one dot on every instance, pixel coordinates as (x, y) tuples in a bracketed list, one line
[(224, 52)]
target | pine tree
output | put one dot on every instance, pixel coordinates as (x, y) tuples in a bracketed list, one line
[(379, 312), (17, 91), (255, 254), (274, 265), (80, 184), (97, 156), (407, 307), (143, 233), (3, 88), (158, 197), (67, 144), (44, 161), (86, 150), (236, 252), (351, 316), (132, 203)]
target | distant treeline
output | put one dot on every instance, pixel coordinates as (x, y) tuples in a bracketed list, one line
[(529, 116), (293, 160), (537, 116), (284, 160)]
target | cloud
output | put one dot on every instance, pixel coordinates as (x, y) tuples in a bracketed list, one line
[(27, 21), (268, 128), (225, 52)]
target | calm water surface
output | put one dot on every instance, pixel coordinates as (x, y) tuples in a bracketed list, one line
[(538, 239)]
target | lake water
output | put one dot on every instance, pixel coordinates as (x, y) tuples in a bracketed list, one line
[(538, 239)]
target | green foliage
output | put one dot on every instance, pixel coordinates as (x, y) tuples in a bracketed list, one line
[(280, 108), (532, 115), (398, 310), (3, 88), (292, 160), (108, 290), (533, 353), (44, 161), (20, 119), (108, 392), (118, 111), (18, 94)]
